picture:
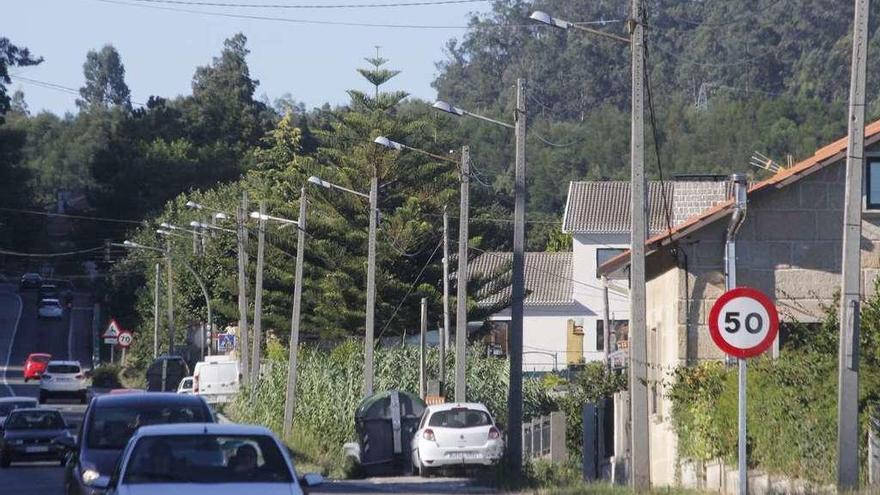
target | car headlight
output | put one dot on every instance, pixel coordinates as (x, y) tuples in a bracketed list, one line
[(90, 475)]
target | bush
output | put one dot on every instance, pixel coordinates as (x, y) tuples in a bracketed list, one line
[(106, 376), (595, 382), (329, 387)]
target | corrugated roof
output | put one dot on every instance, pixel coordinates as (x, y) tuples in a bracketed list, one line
[(603, 206), (823, 157), (548, 277)]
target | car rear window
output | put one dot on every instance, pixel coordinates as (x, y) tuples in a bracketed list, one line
[(460, 418), (34, 420), (40, 359), (111, 427), (62, 368)]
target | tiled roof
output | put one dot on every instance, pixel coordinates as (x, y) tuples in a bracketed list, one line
[(548, 277), (823, 157), (603, 206)]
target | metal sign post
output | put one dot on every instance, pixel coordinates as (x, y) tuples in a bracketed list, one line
[(743, 323)]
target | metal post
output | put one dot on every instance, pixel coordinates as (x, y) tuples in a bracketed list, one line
[(156, 314), (515, 338), (258, 297), (423, 379), (606, 324), (640, 461), (371, 288), (290, 399), (461, 289), (848, 367), (204, 290), (169, 291), (444, 339), (242, 292)]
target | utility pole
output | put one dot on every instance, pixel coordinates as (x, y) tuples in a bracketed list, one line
[(258, 297), (423, 380), (848, 366), (290, 399), (169, 292), (606, 324), (461, 289), (515, 339), (156, 314), (241, 215), (444, 339), (638, 389), (371, 288)]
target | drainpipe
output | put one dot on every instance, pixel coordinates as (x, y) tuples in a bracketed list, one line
[(736, 220)]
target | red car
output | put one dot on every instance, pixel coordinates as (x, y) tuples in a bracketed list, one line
[(35, 365)]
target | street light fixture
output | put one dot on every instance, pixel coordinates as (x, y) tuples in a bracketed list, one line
[(371, 273), (262, 216), (394, 145), (545, 18), (514, 411)]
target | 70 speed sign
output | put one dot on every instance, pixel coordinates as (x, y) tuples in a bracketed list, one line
[(743, 322)]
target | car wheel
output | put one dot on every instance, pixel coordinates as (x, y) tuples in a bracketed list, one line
[(424, 471)]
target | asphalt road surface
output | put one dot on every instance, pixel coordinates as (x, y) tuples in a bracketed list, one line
[(22, 333)]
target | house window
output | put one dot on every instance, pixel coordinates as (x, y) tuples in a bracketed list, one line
[(872, 184), (619, 335), (605, 254), (496, 338)]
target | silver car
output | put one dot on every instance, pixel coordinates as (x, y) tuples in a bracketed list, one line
[(50, 308)]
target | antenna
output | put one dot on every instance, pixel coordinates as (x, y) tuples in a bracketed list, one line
[(759, 160)]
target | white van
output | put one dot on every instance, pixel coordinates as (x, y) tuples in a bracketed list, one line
[(216, 379)]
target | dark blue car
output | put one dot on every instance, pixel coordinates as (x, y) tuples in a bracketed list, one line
[(32, 434), (110, 421)]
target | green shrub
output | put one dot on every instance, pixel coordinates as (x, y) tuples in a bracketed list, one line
[(593, 383), (106, 376)]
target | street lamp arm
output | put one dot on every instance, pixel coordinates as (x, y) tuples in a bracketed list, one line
[(547, 19), (329, 185), (134, 245), (451, 109), (207, 301), (488, 119), (432, 155), (601, 33)]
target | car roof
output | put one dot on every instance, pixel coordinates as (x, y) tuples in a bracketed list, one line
[(48, 285), (202, 429), (135, 399), (39, 354), (457, 405), (17, 399), (35, 409), (49, 300), (75, 363)]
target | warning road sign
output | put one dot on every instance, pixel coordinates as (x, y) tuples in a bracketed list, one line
[(111, 335), (743, 322)]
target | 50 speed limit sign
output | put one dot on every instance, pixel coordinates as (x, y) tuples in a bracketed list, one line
[(743, 322)]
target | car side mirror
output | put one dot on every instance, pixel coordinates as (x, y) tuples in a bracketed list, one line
[(101, 483), (312, 479)]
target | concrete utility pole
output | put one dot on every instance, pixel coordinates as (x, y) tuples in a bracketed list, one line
[(241, 216), (848, 367), (518, 292), (290, 399), (444, 339), (371, 288), (169, 292), (258, 297), (423, 379), (461, 289), (638, 389), (156, 313)]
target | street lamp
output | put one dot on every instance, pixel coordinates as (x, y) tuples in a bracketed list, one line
[(207, 226), (461, 301), (169, 291), (514, 411), (638, 327), (371, 272), (199, 281)]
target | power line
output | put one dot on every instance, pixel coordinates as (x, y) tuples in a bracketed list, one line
[(409, 291), (66, 215), (59, 87), (48, 255), (313, 6), (653, 121)]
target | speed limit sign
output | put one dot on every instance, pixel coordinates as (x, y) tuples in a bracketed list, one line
[(124, 339), (743, 322)]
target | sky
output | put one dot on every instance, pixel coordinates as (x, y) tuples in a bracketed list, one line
[(161, 44)]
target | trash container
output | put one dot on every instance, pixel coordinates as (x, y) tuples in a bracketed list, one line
[(165, 373), (385, 423)]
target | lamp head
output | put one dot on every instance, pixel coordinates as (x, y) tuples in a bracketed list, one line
[(545, 18), (256, 215), (195, 225), (220, 216), (384, 141), (319, 182), (165, 225), (193, 205), (446, 107), (128, 243), (162, 232)]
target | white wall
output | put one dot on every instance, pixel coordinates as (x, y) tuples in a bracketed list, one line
[(545, 333)]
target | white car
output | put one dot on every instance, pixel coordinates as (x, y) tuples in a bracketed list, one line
[(63, 379), (456, 434), (216, 379), (205, 459), (186, 386), (50, 308)]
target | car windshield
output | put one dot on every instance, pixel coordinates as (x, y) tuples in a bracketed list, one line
[(7, 407), (111, 427), (34, 420), (460, 418), (62, 368), (207, 459)]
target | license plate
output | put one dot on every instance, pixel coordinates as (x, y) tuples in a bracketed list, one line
[(36, 449), (463, 455)]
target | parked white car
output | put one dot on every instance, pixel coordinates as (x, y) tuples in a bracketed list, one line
[(63, 379), (50, 308), (186, 386), (456, 434), (205, 459), (216, 379)]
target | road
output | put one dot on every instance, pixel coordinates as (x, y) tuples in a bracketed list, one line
[(21, 333)]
